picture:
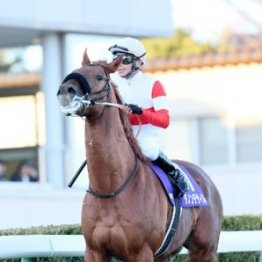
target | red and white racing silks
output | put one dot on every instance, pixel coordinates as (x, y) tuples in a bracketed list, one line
[(157, 114), (144, 91)]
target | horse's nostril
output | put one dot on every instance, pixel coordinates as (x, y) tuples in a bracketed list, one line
[(71, 91)]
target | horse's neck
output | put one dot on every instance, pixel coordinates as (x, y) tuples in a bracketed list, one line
[(110, 158)]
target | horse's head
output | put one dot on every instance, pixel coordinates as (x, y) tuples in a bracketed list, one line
[(85, 86)]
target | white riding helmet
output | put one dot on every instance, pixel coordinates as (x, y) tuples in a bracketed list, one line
[(130, 45)]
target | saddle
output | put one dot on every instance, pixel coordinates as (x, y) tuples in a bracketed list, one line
[(194, 197)]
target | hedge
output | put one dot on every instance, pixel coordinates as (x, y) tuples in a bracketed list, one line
[(237, 223)]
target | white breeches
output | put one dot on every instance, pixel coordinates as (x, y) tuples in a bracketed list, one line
[(150, 145)]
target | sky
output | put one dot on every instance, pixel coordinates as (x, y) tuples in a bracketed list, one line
[(208, 18)]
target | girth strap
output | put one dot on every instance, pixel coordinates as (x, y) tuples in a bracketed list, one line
[(81, 81), (176, 211)]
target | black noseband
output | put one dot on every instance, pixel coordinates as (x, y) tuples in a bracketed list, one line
[(81, 81)]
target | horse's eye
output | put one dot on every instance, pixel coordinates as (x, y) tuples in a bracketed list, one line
[(99, 78)]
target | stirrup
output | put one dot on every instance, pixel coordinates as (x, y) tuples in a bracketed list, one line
[(179, 181)]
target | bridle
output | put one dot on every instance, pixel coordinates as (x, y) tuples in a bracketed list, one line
[(85, 87), (87, 101), (88, 98)]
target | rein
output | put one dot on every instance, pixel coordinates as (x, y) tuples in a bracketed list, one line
[(118, 190)]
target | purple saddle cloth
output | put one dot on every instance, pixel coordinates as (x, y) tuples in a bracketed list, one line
[(194, 196)]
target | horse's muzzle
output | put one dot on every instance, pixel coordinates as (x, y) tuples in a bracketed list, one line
[(70, 103)]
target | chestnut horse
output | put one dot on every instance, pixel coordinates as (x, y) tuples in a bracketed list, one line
[(125, 212)]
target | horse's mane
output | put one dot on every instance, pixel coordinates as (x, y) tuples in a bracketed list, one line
[(128, 129), (124, 117)]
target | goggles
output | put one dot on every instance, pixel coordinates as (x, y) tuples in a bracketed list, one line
[(127, 59)]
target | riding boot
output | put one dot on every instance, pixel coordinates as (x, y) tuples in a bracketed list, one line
[(178, 179)]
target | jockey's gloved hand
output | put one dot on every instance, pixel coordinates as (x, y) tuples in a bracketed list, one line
[(135, 109)]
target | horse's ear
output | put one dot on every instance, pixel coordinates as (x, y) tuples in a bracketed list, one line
[(112, 67), (86, 60)]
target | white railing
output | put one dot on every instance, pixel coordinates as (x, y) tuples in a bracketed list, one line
[(26, 246)]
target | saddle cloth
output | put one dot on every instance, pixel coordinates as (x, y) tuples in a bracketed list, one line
[(194, 196)]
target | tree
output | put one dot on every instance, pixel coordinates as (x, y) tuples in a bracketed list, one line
[(180, 44)]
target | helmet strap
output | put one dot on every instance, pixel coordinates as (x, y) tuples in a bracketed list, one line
[(133, 70), (141, 55)]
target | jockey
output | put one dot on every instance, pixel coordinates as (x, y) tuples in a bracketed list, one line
[(146, 99)]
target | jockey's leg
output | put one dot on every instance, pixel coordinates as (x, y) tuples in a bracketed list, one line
[(177, 178), (151, 148)]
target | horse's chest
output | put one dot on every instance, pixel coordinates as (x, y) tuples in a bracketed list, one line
[(110, 234), (110, 230), (116, 226)]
